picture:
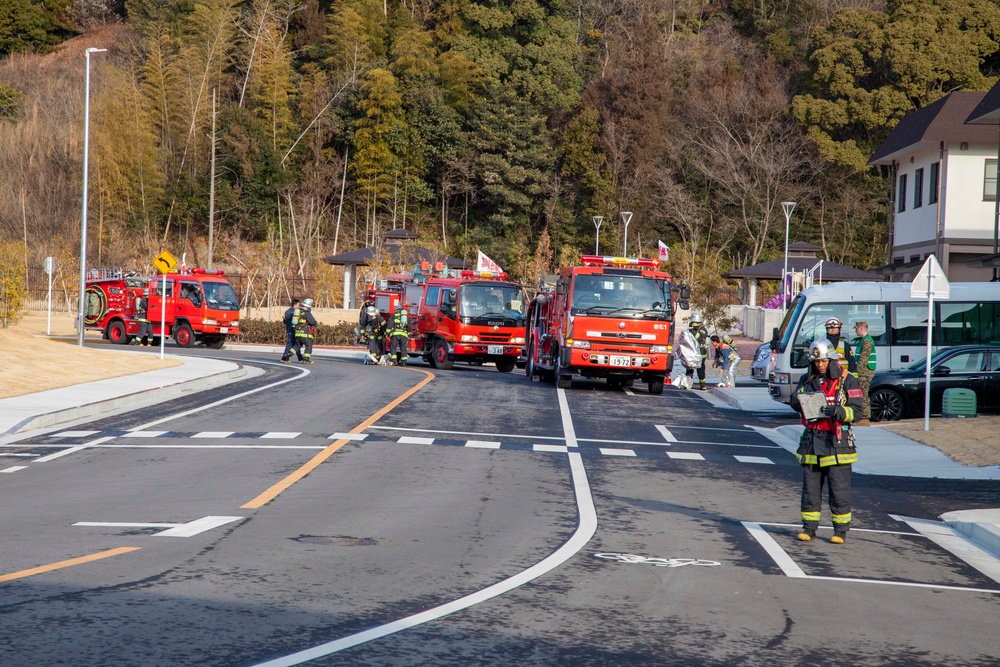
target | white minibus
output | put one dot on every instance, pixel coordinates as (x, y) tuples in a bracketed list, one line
[(896, 321)]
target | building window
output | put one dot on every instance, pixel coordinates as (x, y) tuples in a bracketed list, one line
[(918, 188), (932, 196), (990, 181), (901, 194)]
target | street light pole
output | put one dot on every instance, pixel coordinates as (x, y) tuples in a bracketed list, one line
[(598, 219), (83, 220), (787, 207), (626, 218)]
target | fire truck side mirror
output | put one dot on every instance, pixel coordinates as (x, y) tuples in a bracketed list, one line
[(683, 304), (685, 293)]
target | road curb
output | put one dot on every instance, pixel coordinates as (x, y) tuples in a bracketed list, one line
[(135, 400)]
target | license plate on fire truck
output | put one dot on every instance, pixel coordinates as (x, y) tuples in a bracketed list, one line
[(621, 361), (223, 329), (494, 349)]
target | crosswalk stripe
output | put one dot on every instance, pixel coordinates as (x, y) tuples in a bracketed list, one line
[(13, 469), (482, 444), (754, 459), (608, 451), (73, 434), (667, 435), (550, 448), (347, 436), (690, 456), (410, 440), (213, 434), (280, 435), (143, 434)]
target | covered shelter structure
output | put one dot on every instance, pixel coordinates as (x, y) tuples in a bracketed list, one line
[(802, 259), (398, 248)]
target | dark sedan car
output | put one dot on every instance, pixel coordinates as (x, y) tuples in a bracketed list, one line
[(898, 394)]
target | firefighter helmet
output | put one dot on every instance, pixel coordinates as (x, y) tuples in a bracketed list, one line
[(307, 303), (834, 323), (822, 349), (696, 319), (145, 292), (371, 310)]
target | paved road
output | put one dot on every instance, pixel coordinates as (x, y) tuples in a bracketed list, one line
[(309, 515)]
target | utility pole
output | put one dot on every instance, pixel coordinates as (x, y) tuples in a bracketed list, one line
[(211, 191)]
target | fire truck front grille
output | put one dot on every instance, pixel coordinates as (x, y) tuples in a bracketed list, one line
[(620, 335), (629, 349), (494, 338)]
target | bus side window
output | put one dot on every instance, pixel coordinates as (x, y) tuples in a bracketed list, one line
[(909, 324)]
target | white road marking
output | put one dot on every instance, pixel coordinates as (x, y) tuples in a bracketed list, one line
[(607, 451), (550, 448), (347, 436), (482, 444), (143, 434), (182, 446), (407, 440), (198, 526), (173, 529), (584, 532), (754, 459), (569, 432), (280, 435), (213, 434), (628, 390), (71, 450), (466, 433), (14, 468), (778, 554), (667, 435), (947, 538), (72, 434), (689, 456), (853, 529)]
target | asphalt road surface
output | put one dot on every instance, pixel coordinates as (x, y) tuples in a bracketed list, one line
[(341, 514)]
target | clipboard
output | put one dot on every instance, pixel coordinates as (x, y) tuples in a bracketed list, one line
[(812, 405)]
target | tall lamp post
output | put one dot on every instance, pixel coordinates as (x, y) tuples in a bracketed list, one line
[(626, 218), (83, 221), (787, 207), (598, 219)]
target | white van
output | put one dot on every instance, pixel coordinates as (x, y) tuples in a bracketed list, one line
[(896, 321)]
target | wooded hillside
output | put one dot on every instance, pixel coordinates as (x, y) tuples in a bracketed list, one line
[(503, 125)]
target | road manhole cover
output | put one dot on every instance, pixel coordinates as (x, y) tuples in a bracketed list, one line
[(336, 540)]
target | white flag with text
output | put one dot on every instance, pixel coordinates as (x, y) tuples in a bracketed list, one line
[(664, 252), (484, 263)]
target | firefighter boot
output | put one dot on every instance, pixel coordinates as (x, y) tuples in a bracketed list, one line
[(807, 535), (838, 538), (702, 386)]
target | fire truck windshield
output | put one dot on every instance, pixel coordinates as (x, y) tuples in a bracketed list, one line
[(221, 296), (478, 300), (634, 296)]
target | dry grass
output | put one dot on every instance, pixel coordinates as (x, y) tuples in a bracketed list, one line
[(972, 441)]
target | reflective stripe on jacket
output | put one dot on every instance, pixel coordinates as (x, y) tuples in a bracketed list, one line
[(827, 441)]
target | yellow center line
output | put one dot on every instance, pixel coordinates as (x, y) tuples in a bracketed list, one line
[(65, 563), (328, 451)]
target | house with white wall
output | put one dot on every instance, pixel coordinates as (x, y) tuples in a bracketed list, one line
[(944, 192)]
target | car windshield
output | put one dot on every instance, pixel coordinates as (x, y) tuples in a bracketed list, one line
[(496, 300), (221, 296), (637, 296)]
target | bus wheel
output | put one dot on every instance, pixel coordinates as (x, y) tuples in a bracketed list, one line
[(117, 334), (183, 335), (506, 365)]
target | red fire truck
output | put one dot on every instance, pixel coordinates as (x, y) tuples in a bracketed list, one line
[(201, 306), (610, 317), (465, 316)]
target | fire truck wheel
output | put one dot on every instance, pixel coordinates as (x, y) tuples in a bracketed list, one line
[(506, 365), (183, 335), (564, 380), (117, 334), (529, 368), (440, 358), (656, 386), (215, 342)]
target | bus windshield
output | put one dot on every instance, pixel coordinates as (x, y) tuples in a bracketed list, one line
[(784, 331), (637, 296)]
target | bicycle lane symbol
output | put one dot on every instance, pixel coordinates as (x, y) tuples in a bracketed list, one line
[(657, 562)]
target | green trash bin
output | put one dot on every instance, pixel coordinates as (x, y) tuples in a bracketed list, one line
[(958, 403)]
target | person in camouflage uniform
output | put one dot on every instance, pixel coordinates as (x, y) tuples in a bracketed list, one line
[(867, 361)]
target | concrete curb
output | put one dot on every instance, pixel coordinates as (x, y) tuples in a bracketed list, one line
[(132, 401)]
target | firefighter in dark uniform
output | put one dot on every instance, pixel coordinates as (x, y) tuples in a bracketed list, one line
[(374, 331), (399, 336), (845, 353), (701, 335), (289, 332), (826, 449), (142, 314), (305, 327)]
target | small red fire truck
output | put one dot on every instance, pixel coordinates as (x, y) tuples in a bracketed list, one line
[(457, 315), (610, 317), (201, 306)]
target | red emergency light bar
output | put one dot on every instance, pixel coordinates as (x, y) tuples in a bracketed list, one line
[(598, 260), (219, 272), (484, 274)]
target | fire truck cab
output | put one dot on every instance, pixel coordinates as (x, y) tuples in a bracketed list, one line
[(201, 306), (457, 316), (611, 318)]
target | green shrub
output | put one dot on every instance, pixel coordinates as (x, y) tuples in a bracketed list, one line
[(264, 332)]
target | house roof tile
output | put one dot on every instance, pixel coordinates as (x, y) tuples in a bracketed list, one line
[(944, 120)]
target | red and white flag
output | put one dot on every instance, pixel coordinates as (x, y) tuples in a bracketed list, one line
[(484, 263), (664, 252)]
